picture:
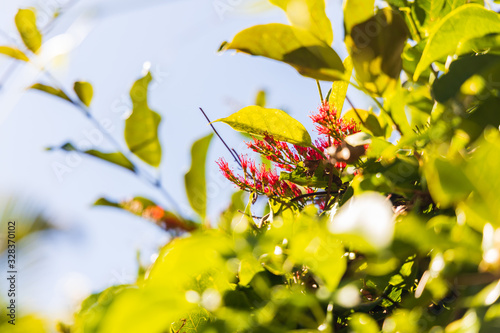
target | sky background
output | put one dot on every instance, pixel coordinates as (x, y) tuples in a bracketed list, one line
[(107, 43)]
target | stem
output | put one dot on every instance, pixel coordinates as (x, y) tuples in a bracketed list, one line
[(320, 92), (387, 113), (355, 110), (414, 25), (233, 154), (307, 195)]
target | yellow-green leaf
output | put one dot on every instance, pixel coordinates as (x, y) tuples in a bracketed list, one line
[(13, 53), (301, 49), (26, 25), (464, 23), (196, 188), (363, 323), (84, 91), (141, 128), (339, 88), (356, 12), (376, 46), (447, 182), (51, 90), (308, 14), (258, 121)]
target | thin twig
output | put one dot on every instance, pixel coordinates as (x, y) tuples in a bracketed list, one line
[(233, 154), (355, 110), (307, 195)]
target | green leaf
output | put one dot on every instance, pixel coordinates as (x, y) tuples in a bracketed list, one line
[(375, 47), (396, 106), (84, 91), (26, 25), (147, 208), (51, 90), (367, 120), (486, 44), (448, 85), (13, 53), (193, 322), (411, 56), (428, 13), (297, 47), (95, 307), (260, 122), (356, 12), (465, 23), (339, 89), (483, 169), (116, 158), (321, 252), (447, 182), (196, 188), (141, 128), (363, 323), (309, 15), (249, 266)]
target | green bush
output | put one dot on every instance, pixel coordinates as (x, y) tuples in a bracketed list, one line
[(388, 221)]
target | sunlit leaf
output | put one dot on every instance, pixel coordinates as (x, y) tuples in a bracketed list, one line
[(308, 14), (339, 88), (367, 120), (158, 309), (363, 323), (428, 13), (447, 182), (141, 128), (248, 268), (322, 254), (297, 47), (199, 262), (396, 106), (51, 90), (193, 322), (26, 25), (13, 53), (485, 44), (260, 122), (93, 309), (196, 188), (84, 91), (465, 23), (357, 11), (375, 47), (411, 57)]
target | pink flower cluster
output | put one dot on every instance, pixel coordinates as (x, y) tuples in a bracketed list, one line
[(259, 179), (328, 124), (288, 157)]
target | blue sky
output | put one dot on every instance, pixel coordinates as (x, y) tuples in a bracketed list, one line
[(113, 39)]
